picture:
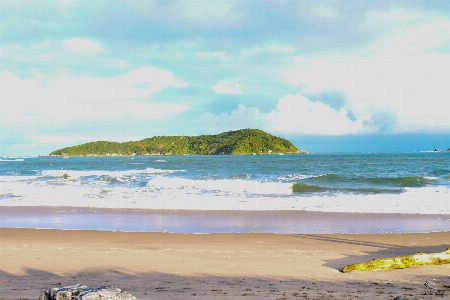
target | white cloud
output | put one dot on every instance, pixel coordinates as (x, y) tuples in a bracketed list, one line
[(296, 114), (55, 54), (151, 79), (273, 48), (241, 117), (68, 2), (228, 86), (244, 117), (279, 48), (211, 12), (192, 13), (151, 111), (77, 139), (394, 18), (401, 75), (82, 45), (43, 144), (325, 11), (60, 139), (66, 99), (220, 55), (118, 63)]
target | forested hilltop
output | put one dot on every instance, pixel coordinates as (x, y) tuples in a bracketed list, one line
[(244, 141)]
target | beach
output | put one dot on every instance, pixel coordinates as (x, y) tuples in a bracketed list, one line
[(263, 227), (218, 266), (225, 149)]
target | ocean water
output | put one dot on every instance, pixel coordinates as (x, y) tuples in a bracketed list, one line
[(389, 183)]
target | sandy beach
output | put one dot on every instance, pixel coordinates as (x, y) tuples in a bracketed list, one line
[(218, 266)]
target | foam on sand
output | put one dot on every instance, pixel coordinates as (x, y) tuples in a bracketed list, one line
[(181, 193)]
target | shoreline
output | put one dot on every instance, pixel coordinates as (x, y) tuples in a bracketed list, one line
[(219, 221), (173, 197), (301, 152), (217, 266)]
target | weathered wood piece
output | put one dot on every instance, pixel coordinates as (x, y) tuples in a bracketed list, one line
[(401, 262)]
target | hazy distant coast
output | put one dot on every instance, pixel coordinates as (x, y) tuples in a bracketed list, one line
[(439, 150)]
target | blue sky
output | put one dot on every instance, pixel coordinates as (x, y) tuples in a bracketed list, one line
[(328, 75)]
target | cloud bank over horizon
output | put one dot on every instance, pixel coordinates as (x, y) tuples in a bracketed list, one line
[(76, 71)]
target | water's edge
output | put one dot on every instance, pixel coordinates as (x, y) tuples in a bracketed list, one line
[(223, 221)]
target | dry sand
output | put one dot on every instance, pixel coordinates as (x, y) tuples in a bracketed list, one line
[(217, 266)]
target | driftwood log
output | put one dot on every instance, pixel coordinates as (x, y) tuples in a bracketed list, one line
[(401, 262)]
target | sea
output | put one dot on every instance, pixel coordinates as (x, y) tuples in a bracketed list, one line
[(313, 193)]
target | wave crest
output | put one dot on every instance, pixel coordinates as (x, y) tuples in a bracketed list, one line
[(410, 181)]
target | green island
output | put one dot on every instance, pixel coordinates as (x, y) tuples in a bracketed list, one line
[(244, 141)]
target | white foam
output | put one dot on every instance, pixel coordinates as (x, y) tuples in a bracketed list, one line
[(117, 174), (15, 159), (296, 177), (14, 178), (220, 186), (179, 193)]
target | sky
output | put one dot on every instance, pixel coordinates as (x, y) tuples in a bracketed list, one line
[(331, 76)]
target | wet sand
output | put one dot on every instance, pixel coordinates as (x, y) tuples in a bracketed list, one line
[(197, 221), (218, 266)]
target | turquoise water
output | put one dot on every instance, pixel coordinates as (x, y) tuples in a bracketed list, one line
[(305, 174), (316, 193)]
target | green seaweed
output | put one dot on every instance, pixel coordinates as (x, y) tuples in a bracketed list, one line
[(306, 188), (401, 262)]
